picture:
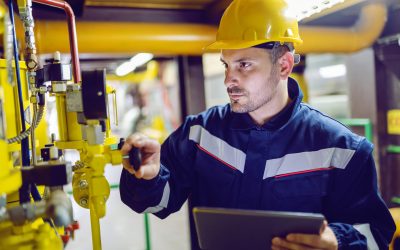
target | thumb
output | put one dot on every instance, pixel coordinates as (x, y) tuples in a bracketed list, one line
[(323, 227)]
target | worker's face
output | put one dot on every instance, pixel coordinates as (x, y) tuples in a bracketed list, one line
[(250, 78)]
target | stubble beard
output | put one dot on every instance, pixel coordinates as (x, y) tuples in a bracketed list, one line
[(260, 99)]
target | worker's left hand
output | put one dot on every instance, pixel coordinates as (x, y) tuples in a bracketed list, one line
[(325, 240)]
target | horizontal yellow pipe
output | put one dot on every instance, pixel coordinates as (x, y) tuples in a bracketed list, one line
[(367, 29), (114, 37), (189, 39)]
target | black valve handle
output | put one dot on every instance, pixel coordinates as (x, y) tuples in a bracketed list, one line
[(134, 156)]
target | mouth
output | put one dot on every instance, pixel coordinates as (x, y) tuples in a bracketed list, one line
[(235, 97), (235, 93)]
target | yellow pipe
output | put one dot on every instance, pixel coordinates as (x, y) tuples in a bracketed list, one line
[(95, 226), (192, 5), (367, 29), (186, 39), (335, 8), (107, 37)]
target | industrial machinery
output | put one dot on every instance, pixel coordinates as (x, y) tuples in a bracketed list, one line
[(27, 224), (42, 223)]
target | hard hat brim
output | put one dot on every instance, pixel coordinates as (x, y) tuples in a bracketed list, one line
[(232, 44), (218, 45)]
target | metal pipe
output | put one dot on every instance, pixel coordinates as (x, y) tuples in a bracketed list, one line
[(121, 38), (190, 39), (95, 226), (72, 34), (33, 137), (29, 24), (361, 35)]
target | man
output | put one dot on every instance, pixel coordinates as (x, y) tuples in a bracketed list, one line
[(266, 150)]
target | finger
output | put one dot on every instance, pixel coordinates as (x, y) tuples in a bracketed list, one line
[(126, 165), (305, 239), (147, 172), (323, 227), (146, 145), (139, 174), (134, 140), (284, 244), (126, 148), (274, 245), (149, 146)]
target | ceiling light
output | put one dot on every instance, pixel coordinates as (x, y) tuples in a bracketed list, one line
[(306, 8), (333, 71), (136, 61)]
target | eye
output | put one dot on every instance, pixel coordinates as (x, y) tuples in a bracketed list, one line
[(244, 65), (224, 65)]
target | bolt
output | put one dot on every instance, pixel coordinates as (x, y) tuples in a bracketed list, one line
[(83, 201), (83, 184), (31, 64)]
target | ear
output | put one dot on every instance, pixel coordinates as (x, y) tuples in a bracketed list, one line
[(286, 62)]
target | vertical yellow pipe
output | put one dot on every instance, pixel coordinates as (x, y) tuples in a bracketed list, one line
[(95, 225), (62, 117), (108, 128)]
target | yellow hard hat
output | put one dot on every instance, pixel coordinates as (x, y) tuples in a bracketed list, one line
[(247, 23)]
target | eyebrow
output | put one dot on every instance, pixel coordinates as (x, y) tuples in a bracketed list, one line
[(239, 60)]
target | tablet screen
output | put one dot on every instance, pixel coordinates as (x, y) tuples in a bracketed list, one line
[(234, 229)]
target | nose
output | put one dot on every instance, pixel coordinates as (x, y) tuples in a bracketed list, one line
[(231, 78)]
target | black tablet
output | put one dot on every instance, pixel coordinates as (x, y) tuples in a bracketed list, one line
[(234, 229)]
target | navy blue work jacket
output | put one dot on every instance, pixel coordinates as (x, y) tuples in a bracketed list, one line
[(301, 160)]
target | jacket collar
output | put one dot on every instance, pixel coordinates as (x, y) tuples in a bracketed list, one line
[(244, 120)]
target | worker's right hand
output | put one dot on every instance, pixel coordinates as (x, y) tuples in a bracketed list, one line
[(326, 240), (150, 154)]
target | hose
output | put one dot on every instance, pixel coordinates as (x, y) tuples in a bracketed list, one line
[(27, 132)]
